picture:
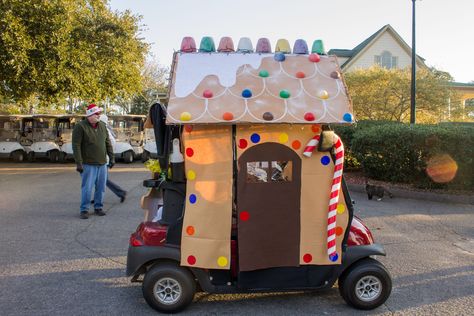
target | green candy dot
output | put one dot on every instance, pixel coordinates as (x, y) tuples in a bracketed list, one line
[(285, 94), (263, 73)]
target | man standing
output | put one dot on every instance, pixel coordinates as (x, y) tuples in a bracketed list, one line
[(91, 146)]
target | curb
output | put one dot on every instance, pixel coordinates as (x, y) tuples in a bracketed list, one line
[(417, 195)]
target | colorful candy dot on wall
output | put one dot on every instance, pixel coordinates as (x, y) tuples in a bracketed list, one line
[(191, 175), (300, 47), (244, 216), (255, 138), (189, 152), (300, 75), (247, 93), (222, 261), (325, 160), (279, 57), (263, 46), (226, 45), (315, 58), (283, 138), (263, 73), (227, 116), (243, 143), (333, 257), (190, 230), (185, 116), (207, 45), (339, 231), (341, 208), (335, 75), (285, 94), (316, 128), (307, 258), (192, 198), (323, 94), (283, 46), (188, 128), (191, 260), (267, 116), (296, 144), (308, 116), (207, 93), (188, 45), (318, 47), (348, 117), (245, 45)]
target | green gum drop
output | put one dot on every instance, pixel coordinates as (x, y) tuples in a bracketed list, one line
[(285, 94), (263, 73)]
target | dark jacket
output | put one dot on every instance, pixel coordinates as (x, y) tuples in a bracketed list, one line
[(91, 145)]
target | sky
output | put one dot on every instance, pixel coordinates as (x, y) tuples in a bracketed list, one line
[(444, 29)]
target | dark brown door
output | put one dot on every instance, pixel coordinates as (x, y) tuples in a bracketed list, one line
[(268, 204)]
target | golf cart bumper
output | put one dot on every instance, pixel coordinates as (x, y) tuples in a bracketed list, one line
[(355, 253), (139, 257)]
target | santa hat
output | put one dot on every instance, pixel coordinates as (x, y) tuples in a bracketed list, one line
[(92, 109)]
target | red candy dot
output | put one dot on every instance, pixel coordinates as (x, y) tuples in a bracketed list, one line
[(309, 116), (189, 152), (227, 116), (244, 216), (207, 94), (296, 144), (314, 58), (307, 258), (188, 128), (316, 128), (300, 75), (339, 231), (192, 260), (243, 143)]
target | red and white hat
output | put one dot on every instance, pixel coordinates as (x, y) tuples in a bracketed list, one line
[(93, 109)]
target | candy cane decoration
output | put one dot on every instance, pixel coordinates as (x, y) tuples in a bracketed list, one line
[(336, 186)]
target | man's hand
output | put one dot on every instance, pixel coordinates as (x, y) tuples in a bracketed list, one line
[(79, 168), (111, 163)]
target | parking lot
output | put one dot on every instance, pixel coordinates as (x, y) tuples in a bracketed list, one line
[(53, 263)]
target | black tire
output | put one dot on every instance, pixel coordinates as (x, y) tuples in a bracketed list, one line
[(31, 156), (128, 157), (366, 284), (62, 157), (145, 156), (177, 288), (53, 156), (18, 155)]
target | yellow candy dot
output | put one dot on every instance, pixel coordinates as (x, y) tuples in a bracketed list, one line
[(323, 94), (283, 138), (191, 175), (185, 116), (340, 208), (222, 261)]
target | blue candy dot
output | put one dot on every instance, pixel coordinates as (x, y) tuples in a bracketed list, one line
[(279, 57), (347, 117), (246, 93), (255, 138), (192, 198), (325, 160), (333, 257)]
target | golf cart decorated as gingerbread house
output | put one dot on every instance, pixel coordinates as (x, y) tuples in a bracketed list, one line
[(255, 200)]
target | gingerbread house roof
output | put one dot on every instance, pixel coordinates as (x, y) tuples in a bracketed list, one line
[(241, 87)]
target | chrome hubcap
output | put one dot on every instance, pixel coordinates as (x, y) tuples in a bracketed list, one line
[(167, 291), (368, 288)]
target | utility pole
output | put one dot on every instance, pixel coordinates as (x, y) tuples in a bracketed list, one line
[(413, 69)]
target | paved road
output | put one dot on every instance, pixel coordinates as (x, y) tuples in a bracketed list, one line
[(53, 263)]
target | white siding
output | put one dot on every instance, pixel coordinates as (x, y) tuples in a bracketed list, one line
[(386, 42)]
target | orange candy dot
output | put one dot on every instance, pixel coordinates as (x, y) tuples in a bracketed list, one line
[(316, 128), (339, 231), (296, 144), (190, 230), (227, 116), (300, 75)]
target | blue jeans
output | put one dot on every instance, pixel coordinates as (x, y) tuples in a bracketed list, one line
[(93, 176)]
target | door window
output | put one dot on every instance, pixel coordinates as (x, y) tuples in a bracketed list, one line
[(269, 171)]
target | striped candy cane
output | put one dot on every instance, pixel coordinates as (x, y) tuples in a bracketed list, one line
[(336, 186)]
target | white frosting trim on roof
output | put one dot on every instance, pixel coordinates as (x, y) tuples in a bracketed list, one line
[(193, 68)]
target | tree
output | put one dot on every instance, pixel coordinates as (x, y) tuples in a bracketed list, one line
[(384, 94), (75, 49)]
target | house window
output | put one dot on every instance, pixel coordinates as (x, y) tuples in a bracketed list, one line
[(266, 171), (386, 60)]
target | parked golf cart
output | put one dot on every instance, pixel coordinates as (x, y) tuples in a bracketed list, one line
[(128, 130), (10, 147), (65, 125), (40, 134), (149, 145), (247, 207)]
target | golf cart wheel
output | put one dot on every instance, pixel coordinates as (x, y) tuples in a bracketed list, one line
[(18, 155), (128, 157), (31, 156), (145, 156), (62, 157), (365, 285), (54, 156), (168, 288)]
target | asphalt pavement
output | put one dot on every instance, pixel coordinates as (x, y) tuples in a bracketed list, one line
[(53, 263)]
